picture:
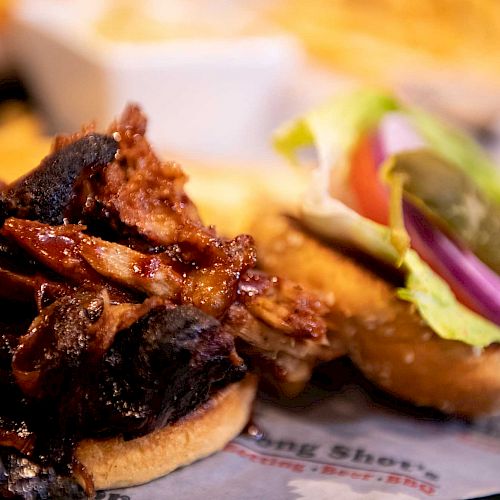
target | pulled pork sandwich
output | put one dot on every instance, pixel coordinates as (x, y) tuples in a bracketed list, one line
[(400, 230), (121, 317)]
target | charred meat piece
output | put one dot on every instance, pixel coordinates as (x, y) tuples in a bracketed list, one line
[(67, 251), (88, 369), (285, 361), (281, 331), (13, 258), (74, 331), (22, 479), (25, 280), (14, 433), (35, 288), (283, 305), (138, 197), (213, 286), (163, 367), (138, 193), (153, 274), (50, 366), (45, 193), (15, 319), (57, 248)]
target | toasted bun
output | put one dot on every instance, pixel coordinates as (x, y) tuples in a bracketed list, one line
[(115, 463), (384, 336)]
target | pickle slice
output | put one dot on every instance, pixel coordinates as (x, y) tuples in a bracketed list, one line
[(448, 197)]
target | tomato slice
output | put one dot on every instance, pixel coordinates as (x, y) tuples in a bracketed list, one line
[(371, 195)]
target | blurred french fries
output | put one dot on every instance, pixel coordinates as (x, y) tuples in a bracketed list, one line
[(441, 53), (22, 141), (365, 35)]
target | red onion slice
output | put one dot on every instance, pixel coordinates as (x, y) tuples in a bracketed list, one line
[(474, 283)]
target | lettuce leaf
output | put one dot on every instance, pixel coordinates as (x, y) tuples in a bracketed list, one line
[(437, 304), (333, 130), (334, 220), (335, 127)]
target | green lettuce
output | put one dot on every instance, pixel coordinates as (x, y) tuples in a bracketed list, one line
[(335, 127), (334, 220), (333, 130), (437, 304)]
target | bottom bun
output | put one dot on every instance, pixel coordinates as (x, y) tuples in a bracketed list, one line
[(383, 335), (115, 463)]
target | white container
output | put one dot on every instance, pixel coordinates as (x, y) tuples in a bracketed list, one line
[(203, 97)]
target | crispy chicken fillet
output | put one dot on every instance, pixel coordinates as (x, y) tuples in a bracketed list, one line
[(384, 336)]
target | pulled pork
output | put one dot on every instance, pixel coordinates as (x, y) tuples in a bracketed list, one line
[(122, 308)]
